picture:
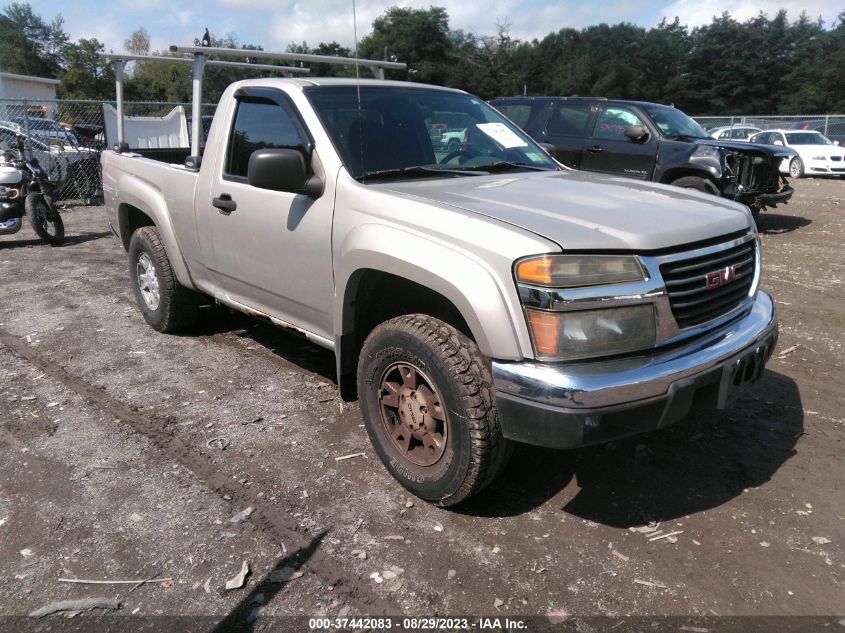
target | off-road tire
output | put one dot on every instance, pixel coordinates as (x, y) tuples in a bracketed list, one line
[(697, 183), (41, 210), (796, 168), (177, 307), (454, 145), (475, 451)]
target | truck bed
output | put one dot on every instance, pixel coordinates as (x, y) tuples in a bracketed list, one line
[(165, 155)]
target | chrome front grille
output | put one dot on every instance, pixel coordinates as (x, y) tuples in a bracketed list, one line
[(708, 286)]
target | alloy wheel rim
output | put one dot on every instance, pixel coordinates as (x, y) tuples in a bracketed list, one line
[(412, 414), (148, 281)]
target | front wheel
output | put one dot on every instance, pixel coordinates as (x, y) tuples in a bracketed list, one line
[(427, 397), (796, 168), (697, 183), (165, 303), (45, 218)]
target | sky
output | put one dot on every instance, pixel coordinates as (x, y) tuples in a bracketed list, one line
[(273, 24)]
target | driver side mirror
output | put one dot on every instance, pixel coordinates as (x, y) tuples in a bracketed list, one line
[(550, 149), (636, 132), (281, 169), (778, 142)]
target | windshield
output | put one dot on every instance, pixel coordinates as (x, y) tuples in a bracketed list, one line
[(807, 138), (417, 132), (673, 123)]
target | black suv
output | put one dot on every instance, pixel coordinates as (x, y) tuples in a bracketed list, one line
[(650, 141)]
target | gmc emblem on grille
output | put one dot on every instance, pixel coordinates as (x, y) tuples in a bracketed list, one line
[(722, 277)]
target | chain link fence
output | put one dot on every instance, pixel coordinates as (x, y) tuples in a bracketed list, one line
[(67, 137), (831, 125)]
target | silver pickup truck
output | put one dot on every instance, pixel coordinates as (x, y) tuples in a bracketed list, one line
[(473, 298)]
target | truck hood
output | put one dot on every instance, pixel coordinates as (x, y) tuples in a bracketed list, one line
[(749, 148), (581, 211)]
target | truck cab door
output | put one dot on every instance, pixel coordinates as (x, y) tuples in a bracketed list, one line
[(610, 151), (568, 127), (270, 250)]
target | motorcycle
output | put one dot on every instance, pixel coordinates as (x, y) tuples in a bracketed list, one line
[(26, 190)]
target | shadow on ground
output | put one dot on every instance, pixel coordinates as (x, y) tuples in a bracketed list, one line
[(774, 223), (693, 466), (245, 616), (70, 240), (696, 465), (284, 345)]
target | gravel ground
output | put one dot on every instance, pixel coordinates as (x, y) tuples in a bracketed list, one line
[(128, 455)]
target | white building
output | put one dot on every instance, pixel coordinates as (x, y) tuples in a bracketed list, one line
[(36, 89)]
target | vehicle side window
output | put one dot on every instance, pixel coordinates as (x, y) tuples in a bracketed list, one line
[(763, 138), (259, 125), (518, 113), (612, 122), (570, 119), (739, 133), (725, 134)]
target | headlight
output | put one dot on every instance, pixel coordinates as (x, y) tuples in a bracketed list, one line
[(572, 271), (709, 157), (9, 193), (591, 333)]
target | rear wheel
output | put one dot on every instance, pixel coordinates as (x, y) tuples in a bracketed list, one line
[(454, 145), (796, 168), (427, 398), (45, 218), (165, 303)]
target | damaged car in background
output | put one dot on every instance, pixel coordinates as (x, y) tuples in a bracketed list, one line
[(649, 141)]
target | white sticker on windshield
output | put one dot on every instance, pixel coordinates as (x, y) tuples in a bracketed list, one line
[(534, 157), (503, 135)]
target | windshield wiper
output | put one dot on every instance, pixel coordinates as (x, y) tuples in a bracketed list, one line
[(417, 172), (687, 136), (505, 165)]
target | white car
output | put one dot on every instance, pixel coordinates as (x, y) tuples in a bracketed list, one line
[(57, 150), (453, 140), (817, 154), (735, 133)]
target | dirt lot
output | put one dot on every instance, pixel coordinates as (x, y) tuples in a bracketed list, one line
[(127, 454)]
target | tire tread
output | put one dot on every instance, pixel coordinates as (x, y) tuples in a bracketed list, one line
[(471, 372), (29, 205), (180, 303)]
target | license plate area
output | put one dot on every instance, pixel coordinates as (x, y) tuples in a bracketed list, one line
[(742, 371)]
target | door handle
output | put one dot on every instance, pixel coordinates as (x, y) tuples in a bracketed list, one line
[(225, 203), (595, 149)]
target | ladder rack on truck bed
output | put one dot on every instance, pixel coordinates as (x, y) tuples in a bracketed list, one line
[(200, 59)]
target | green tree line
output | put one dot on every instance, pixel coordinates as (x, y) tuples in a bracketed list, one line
[(764, 65)]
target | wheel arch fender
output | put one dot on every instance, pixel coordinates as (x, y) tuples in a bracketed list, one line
[(472, 287), (139, 197), (492, 315), (683, 171)]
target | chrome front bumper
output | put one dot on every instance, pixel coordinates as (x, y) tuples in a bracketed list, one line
[(572, 404)]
